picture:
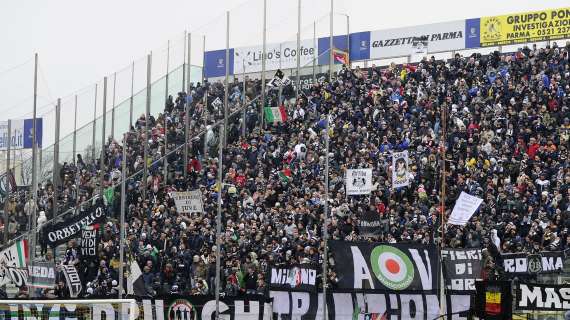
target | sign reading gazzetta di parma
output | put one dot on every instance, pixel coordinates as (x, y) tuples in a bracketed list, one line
[(297, 277), (524, 27), (446, 36), (544, 262), (392, 267), (549, 297)]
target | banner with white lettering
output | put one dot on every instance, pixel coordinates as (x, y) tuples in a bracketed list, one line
[(398, 42), (42, 274), (383, 266), (63, 231), (358, 181), (293, 278), (188, 201), (21, 132), (543, 262), (14, 256), (73, 281), (286, 304), (461, 267), (369, 223), (368, 305), (547, 297), (18, 277), (464, 208), (400, 176), (89, 241)]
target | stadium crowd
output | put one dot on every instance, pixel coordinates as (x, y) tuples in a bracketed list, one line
[(507, 123)]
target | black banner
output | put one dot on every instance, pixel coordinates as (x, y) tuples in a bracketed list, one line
[(544, 262), (89, 241), (494, 300), (461, 267), (285, 305), (547, 297), (381, 266), (168, 308), (369, 224), (296, 278), (61, 232), (342, 305)]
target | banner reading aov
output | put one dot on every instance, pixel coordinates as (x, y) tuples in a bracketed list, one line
[(392, 267), (525, 27)]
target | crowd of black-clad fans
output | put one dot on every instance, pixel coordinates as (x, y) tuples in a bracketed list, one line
[(507, 140)]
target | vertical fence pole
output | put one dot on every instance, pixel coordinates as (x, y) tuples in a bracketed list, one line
[(146, 135), (113, 106), (122, 218), (94, 126), (221, 145), (34, 197), (165, 160), (187, 111), (8, 180), (103, 138), (263, 58), (298, 79), (132, 95), (55, 172)]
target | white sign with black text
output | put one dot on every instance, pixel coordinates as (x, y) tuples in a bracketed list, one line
[(398, 42), (188, 201), (464, 208), (358, 181)]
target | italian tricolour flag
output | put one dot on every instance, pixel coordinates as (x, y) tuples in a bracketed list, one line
[(276, 114)]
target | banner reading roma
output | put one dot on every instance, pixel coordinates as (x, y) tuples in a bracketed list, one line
[(382, 266), (543, 262), (524, 27)]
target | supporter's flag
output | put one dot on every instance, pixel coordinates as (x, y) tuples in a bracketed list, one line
[(341, 56), (400, 169), (277, 114), (279, 79), (109, 195), (135, 282), (285, 174)]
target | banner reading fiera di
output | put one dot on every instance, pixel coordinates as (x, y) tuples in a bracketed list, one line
[(524, 27)]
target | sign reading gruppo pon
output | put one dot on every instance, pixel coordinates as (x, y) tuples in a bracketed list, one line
[(21, 132)]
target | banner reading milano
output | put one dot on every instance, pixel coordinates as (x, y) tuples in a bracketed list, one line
[(382, 266)]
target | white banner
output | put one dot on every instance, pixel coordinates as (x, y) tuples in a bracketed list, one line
[(189, 201), (400, 176), (398, 42), (358, 181), (464, 208), (279, 56)]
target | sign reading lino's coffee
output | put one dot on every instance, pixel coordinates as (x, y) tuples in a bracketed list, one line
[(461, 267), (547, 297), (302, 278), (61, 232), (391, 267), (544, 262)]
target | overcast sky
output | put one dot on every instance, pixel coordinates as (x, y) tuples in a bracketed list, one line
[(79, 42)]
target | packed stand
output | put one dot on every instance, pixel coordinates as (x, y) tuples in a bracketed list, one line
[(507, 137)]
